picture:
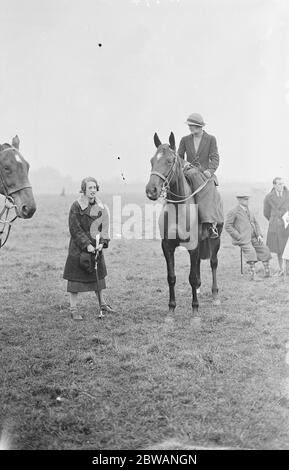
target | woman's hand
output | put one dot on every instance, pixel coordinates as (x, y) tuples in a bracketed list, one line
[(105, 243), (90, 248)]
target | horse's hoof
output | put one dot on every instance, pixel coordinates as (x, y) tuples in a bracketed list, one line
[(216, 302), (195, 322), (198, 290), (169, 319)]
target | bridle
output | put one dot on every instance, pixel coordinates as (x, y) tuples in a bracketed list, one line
[(167, 180), (4, 219), (8, 198)]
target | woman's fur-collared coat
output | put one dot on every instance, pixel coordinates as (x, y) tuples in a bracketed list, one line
[(85, 222)]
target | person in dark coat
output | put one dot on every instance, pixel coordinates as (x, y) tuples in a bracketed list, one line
[(276, 204), (245, 231), (88, 223), (201, 152)]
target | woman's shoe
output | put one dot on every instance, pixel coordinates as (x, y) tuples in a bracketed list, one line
[(104, 308), (75, 315)]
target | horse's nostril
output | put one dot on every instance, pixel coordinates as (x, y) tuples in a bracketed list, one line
[(27, 211)]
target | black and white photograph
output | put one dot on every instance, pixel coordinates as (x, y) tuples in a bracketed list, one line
[(144, 228)]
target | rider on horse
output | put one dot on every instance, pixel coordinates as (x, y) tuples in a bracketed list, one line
[(202, 161)]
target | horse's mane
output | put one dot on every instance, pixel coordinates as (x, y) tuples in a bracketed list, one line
[(181, 160)]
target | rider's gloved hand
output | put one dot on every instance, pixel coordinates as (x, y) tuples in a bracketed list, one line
[(207, 173), (90, 249)]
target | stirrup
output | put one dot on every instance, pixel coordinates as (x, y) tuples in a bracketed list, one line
[(213, 232)]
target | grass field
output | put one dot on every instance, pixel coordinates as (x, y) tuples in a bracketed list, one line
[(138, 377)]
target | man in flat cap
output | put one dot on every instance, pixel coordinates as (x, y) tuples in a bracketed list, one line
[(200, 151), (245, 231)]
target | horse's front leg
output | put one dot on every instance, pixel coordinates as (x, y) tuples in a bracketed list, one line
[(194, 278), (214, 248), (199, 275), (169, 247)]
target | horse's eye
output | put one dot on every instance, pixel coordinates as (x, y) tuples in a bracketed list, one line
[(7, 168)]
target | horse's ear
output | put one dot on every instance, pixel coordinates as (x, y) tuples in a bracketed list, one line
[(172, 141), (157, 140), (16, 142)]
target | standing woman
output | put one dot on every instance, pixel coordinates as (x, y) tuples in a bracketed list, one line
[(276, 204), (87, 218)]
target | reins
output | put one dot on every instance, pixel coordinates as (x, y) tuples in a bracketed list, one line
[(167, 180), (4, 221)]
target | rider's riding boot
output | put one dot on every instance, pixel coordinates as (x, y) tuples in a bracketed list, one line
[(213, 231), (266, 268), (251, 270)]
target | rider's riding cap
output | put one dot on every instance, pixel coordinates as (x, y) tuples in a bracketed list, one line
[(195, 119)]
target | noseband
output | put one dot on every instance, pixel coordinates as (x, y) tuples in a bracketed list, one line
[(8, 198)]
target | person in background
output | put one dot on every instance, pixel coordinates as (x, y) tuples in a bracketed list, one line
[(285, 255), (245, 231), (88, 218), (276, 204)]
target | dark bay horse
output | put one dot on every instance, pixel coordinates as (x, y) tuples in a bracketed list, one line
[(14, 185), (178, 221)]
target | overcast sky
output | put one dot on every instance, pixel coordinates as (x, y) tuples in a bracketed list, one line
[(77, 106)]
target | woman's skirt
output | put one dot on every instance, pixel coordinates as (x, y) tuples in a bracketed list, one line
[(75, 286)]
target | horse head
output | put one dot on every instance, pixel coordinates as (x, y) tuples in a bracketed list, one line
[(162, 164), (14, 183)]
